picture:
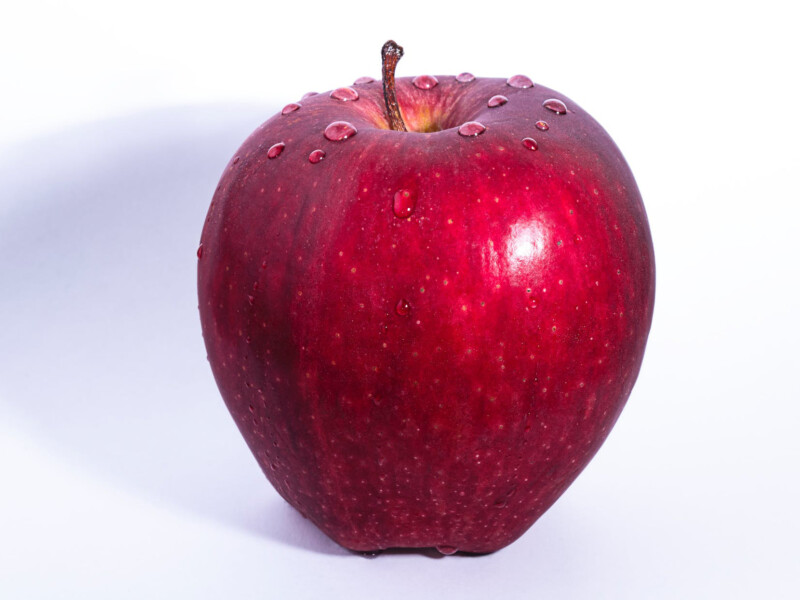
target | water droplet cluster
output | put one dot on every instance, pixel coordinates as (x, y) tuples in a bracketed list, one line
[(338, 131)]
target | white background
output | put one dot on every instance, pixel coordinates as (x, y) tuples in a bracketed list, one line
[(121, 473)]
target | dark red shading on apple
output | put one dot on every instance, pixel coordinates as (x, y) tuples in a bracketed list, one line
[(426, 336)]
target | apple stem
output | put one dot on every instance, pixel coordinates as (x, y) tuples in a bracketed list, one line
[(391, 53)]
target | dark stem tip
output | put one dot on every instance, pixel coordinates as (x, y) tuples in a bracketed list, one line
[(392, 48)]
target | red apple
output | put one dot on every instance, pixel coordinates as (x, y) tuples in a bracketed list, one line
[(424, 336)]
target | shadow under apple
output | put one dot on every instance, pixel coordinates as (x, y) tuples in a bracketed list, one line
[(100, 344)]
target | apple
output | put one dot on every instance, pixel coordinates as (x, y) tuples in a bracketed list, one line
[(425, 302)]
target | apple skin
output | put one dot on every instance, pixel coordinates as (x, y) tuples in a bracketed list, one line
[(440, 379)]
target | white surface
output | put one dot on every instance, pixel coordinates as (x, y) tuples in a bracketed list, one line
[(123, 475)]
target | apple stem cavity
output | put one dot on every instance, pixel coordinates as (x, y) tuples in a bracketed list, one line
[(391, 53)]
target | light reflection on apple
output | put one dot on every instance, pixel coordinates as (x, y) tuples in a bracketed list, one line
[(524, 246)]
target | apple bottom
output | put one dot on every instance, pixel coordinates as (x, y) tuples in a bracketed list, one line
[(424, 488)]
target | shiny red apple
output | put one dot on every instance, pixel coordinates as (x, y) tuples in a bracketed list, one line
[(425, 335)]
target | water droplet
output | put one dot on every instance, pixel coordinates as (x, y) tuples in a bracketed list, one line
[(275, 150), (235, 159), (345, 94), (532, 302), (200, 251), (425, 82), (405, 201), (371, 553), (364, 80), (447, 550), (471, 129), (530, 144), (339, 131), (465, 77), (308, 95), (557, 106), (520, 81), (290, 108), (316, 156), (402, 308), (542, 125), (497, 101), (251, 299)]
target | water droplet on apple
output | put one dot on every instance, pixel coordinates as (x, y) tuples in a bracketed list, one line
[(200, 251), (316, 156), (290, 108), (364, 80), (519, 81), (542, 125), (498, 100), (275, 150), (447, 550), (530, 144), (405, 201), (251, 299), (471, 129), (371, 553), (339, 131), (345, 94), (235, 159), (465, 77), (402, 307), (425, 82), (557, 106), (308, 95)]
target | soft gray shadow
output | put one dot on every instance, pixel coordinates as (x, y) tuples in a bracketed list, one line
[(100, 345)]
